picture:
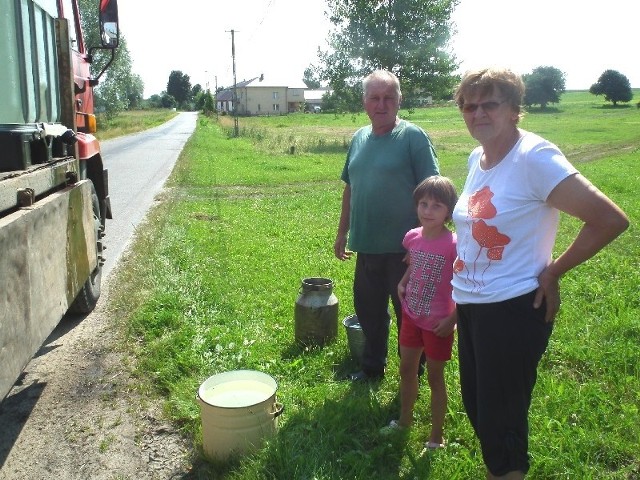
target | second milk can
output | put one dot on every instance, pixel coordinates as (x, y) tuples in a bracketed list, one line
[(316, 312)]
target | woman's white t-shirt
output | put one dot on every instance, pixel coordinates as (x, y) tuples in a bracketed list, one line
[(505, 229)]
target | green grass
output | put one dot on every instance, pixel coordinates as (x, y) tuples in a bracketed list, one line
[(131, 121), (211, 283)]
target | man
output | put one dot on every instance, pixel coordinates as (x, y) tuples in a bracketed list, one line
[(385, 162)]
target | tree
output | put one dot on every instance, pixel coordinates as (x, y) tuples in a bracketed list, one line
[(155, 101), (179, 87), (407, 37), (544, 85), (167, 101), (112, 94), (208, 106), (119, 87), (310, 79), (203, 100), (614, 86), (135, 90)]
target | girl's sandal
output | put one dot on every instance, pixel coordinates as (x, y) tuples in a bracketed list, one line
[(432, 447), (393, 427)]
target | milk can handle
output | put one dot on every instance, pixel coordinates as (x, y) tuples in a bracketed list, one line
[(278, 408)]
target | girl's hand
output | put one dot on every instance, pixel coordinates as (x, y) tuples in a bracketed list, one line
[(401, 291), (446, 326)]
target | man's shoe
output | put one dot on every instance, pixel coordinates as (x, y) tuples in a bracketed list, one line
[(363, 376), (358, 376)]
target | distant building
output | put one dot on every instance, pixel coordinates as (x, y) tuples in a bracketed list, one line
[(257, 97), (313, 99)]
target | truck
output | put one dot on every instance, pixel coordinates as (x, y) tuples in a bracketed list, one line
[(54, 195)]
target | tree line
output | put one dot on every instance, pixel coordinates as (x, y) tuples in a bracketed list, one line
[(180, 94)]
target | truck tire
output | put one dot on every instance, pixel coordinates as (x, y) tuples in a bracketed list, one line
[(89, 294)]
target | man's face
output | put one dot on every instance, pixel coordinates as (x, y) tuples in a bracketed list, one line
[(381, 102)]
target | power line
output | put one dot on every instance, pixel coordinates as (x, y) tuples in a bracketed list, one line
[(266, 13)]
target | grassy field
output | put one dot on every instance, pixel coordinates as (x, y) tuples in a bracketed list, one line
[(213, 276), (131, 121)]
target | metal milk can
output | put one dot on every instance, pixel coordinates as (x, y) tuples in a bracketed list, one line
[(316, 312)]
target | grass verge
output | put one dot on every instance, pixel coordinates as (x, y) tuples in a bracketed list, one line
[(131, 121)]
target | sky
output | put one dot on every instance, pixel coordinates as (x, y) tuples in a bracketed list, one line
[(280, 38)]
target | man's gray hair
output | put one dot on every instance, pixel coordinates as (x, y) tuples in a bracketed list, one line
[(384, 76)]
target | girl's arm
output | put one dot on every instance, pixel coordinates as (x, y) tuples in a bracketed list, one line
[(402, 286), (447, 325)]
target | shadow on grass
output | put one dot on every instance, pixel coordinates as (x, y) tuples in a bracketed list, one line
[(543, 111), (342, 367), (340, 439), (614, 107)]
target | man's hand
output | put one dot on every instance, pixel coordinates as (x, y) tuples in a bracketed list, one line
[(340, 248)]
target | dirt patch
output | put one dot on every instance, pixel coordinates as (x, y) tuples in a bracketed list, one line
[(75, 413), (589, 153)]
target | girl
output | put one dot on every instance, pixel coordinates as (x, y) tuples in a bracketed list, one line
[(428, 312)]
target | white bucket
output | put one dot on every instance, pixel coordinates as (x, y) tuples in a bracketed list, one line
[(239, 411)]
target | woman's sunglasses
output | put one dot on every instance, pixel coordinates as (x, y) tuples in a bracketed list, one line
[(487, 107)]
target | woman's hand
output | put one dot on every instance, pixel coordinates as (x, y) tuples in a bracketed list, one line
[(549, 291)]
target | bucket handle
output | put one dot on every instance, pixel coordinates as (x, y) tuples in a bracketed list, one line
[(278, 408)]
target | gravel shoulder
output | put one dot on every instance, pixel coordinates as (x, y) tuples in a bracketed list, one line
[(75, 412)]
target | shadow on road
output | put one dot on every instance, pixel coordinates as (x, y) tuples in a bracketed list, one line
[(17, 406)]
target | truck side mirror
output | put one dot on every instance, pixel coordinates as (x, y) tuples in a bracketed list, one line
[(108, 15)]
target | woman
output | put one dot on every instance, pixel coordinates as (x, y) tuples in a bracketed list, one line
[(505, 282)]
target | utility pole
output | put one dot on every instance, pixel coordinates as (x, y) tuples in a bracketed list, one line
[(235, 91), (215, 98)]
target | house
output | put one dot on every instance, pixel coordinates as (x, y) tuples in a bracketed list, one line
[(224, 98), (257, 97), (313, 99)]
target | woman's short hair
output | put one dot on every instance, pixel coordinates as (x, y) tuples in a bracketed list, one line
[(439, 188), (484, 82), (384, 76)]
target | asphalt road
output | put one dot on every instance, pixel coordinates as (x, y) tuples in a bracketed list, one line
[(138, 167)]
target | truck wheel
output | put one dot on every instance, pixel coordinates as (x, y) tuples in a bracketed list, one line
[(89, 294)]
